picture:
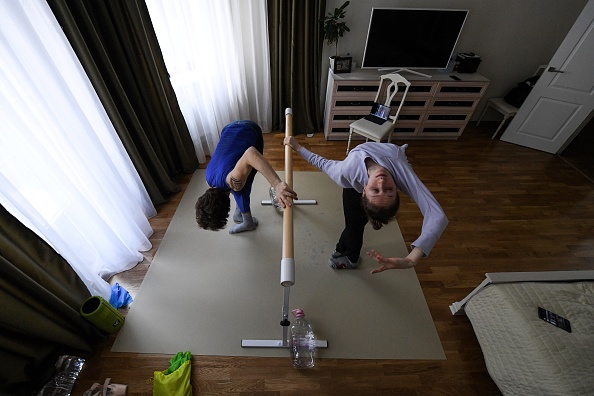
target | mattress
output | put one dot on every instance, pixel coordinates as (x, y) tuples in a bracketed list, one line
[(526, 355)]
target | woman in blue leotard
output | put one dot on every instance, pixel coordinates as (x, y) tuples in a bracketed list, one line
[(232, 168)]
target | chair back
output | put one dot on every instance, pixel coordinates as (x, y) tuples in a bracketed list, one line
[(388, 88)]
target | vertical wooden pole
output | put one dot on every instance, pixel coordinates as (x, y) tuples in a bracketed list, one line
[(288, 261)]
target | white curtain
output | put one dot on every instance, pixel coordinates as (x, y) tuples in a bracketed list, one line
[(63, 170), (216, 52)]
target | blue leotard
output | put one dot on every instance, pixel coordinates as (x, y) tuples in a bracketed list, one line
[(236, 138)]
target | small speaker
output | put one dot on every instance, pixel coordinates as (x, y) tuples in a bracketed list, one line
[(467, 62)]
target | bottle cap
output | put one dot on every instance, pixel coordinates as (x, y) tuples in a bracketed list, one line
[(298, 313)]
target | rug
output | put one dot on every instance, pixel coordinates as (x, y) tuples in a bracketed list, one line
[(207, 291)]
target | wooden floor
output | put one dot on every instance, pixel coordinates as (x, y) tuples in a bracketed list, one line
[(510, 209), (580, 152)]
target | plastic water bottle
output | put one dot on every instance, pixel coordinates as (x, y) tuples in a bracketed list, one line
[(302, 342), (274, 199)]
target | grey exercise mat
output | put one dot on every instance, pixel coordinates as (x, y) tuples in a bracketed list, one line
[(207, 291)]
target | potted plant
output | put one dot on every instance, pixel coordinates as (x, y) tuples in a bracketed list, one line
[(334, 28)]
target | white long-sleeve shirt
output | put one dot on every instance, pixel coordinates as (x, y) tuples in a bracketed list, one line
[(352, 173)]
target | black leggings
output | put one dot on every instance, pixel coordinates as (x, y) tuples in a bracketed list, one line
[(355, 218)]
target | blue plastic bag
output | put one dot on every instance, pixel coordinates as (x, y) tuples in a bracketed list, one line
[(119, 296)]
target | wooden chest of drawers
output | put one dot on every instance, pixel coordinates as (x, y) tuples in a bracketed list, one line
[(434, 108)]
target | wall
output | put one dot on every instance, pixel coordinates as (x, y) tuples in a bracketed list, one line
[(512, 37)]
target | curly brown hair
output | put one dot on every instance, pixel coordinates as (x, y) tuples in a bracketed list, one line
[(379, 216), (212, 209)]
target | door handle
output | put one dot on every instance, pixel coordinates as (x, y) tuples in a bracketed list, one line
[(555, 70)]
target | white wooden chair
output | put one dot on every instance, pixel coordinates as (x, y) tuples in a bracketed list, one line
[(388, 88)]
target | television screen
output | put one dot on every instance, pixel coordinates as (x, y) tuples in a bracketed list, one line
[(412, 38)]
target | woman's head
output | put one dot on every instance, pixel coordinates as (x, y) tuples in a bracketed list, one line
[(380, 215), (380, 197), (212, 209)]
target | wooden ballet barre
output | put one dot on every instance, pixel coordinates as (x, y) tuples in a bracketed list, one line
[(288, 258), (287, 278)]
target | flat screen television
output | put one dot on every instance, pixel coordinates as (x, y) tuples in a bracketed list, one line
[(412, 38)]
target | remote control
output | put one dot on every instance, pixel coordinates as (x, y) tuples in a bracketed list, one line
[(554, 319), (455, 78)]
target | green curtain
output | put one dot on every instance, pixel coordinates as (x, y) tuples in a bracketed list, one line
[(117, 46), (40, 298), (296, 42)]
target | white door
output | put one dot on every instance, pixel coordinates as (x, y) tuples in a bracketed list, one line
[(563, 98)]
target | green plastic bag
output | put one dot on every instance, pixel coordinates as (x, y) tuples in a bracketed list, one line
[(178, 360), (175, 381)]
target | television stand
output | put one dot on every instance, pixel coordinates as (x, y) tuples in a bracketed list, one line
[(435, 108), (406, 70)]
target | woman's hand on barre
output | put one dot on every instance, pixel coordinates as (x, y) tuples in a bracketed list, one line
[(284, 194), (291, 141)]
